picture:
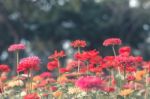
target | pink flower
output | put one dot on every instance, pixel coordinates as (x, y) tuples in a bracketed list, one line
[(78, 43), (89, 83), (16, 47), (112, 41), (130, 78), (31, 96), (46, 75), (29, 63)]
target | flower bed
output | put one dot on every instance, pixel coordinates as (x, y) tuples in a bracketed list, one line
[(87, 76)]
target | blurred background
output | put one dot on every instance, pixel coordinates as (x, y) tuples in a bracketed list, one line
[(47, 25)]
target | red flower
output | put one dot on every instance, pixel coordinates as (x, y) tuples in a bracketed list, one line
[(130, 78), (112, 41), (16, 47), (78, 43), (31, 96), (57, 55), (89, 83), (46, 75), (109, 89), (125, 51), (4, 68), (52, 65), (29, 63), (86, 55), (63, 70)]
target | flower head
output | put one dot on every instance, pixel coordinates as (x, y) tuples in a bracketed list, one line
[(78, 43), (16, 47), (29, 63), (112, 41), (89, 83), (57, 55), (126, 92), (52, 65), (125, 51), (4, 68), (46, 75)]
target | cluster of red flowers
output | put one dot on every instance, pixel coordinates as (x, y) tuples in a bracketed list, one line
[(16, 47), (87, 70)]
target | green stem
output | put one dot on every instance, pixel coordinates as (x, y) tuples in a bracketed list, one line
[(79, 60), (58, 68)]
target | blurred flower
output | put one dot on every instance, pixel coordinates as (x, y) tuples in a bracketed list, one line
[(89, 83), (57, 55), (78, 43), (46, 75), (63, 70), (52, 65), (4, 68), (126, 92), (37, 78), (125, 51), (130, 78), (57, 94), (31, 96), (74, 90), (112, 41), (109, 89), (16, 47), (139, 75), (62, 79)]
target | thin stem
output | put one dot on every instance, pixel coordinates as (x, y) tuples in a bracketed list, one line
[(87, 67), (17, 61), (146, 85), (28, 82), (79, 60), (58, 68), (124, 73), (113, 48)]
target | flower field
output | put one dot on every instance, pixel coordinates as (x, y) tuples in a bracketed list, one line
[(89, 75)]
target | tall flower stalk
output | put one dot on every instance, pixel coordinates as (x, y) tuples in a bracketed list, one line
[(16, 48)]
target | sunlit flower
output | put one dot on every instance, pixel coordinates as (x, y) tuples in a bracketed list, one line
[(57, 94), (78, 43), (74, 90), (16, 47), (62, 79), (139, 75), (112, 41), (126, 92)]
